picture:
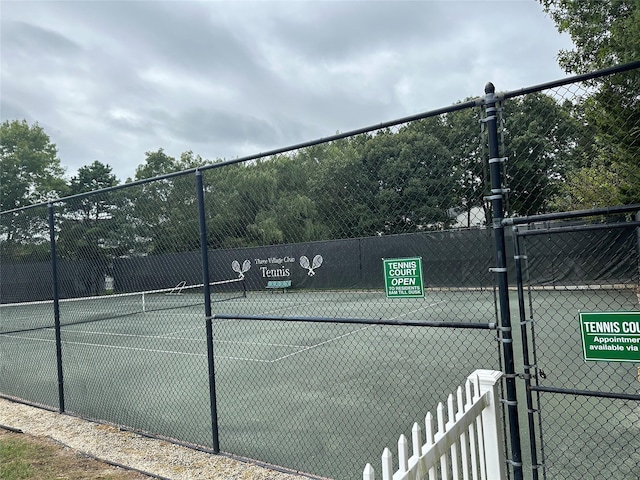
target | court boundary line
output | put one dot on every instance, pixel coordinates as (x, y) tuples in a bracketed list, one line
[(153, 350), (168, 336)]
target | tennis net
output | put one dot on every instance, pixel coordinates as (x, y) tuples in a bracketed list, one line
[(21, 317)]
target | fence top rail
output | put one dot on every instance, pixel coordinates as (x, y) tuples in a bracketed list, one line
[(574, 79), (575, 228), (592, 212), (365, 321)]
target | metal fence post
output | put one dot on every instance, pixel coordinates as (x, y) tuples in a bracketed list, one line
[(207, 311), (519, 258), (56, 305), (496, 197)]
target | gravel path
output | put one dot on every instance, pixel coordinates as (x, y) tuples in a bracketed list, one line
[(109, 443)]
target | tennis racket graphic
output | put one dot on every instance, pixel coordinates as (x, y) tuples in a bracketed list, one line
[(317, 261), (235, 266)]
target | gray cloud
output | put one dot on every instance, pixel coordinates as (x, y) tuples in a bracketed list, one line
[(110, 81)]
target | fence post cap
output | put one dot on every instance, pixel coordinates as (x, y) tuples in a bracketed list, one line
[(486, 376), (368, 473)]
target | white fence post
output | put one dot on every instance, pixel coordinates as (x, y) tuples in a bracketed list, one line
[(493, 441), (469, 442), (368, 473)]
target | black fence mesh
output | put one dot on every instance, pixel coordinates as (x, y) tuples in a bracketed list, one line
[(580, 156), (26, 276), (300, 235), (144, 371), (302, 394), (574, 424), (574, 146)]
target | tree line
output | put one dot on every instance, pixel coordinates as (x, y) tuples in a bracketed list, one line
[(429, 174)]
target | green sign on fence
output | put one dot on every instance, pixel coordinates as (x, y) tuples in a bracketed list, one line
[(611, 336), (403, 277)]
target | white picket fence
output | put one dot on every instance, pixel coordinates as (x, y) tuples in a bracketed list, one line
[(468, 446)]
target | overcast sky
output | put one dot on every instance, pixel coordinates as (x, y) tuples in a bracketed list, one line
[(112, 80)]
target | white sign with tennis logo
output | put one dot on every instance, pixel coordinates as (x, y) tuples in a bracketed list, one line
[(403, 277)]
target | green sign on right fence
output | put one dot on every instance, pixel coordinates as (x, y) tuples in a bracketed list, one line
[(611, 336), (403, 277)]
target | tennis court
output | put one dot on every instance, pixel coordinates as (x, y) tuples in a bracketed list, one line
[(291, 393)]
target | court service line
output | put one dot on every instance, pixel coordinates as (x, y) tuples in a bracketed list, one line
[(116, 347), (33, 339), (136, 349), (46, 340), (89, 332), (108, 334), (230, 320), (168, 335), (245, 359), (352, 332), (261, 344), (319, 344), (173, 352), (418, 310)]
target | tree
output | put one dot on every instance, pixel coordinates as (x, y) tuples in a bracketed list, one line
[(90, 227), (542, 142), (245, 194), (607, 33), (589, 187), (416, 177), (293, 210), (465, 143), (90, 178), (30, 172), (163, 212)]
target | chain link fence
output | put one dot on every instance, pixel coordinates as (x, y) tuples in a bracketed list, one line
[(582, 405), (575, 254), (108, 313)]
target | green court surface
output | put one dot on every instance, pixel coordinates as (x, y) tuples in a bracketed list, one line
[(322, 398)]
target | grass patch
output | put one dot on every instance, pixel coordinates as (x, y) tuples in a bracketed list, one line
[(25, 457), (16, 456)]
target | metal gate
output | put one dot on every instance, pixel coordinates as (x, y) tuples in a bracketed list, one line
[(582, 375)]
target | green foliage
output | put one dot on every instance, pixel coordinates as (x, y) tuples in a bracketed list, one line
[(607, 33), (261, 203), (589, 187), (542, 144), (615, 111), (162, 214), (429, 174), (90, 226), (30, 172), (415, 175), (342, 189)]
